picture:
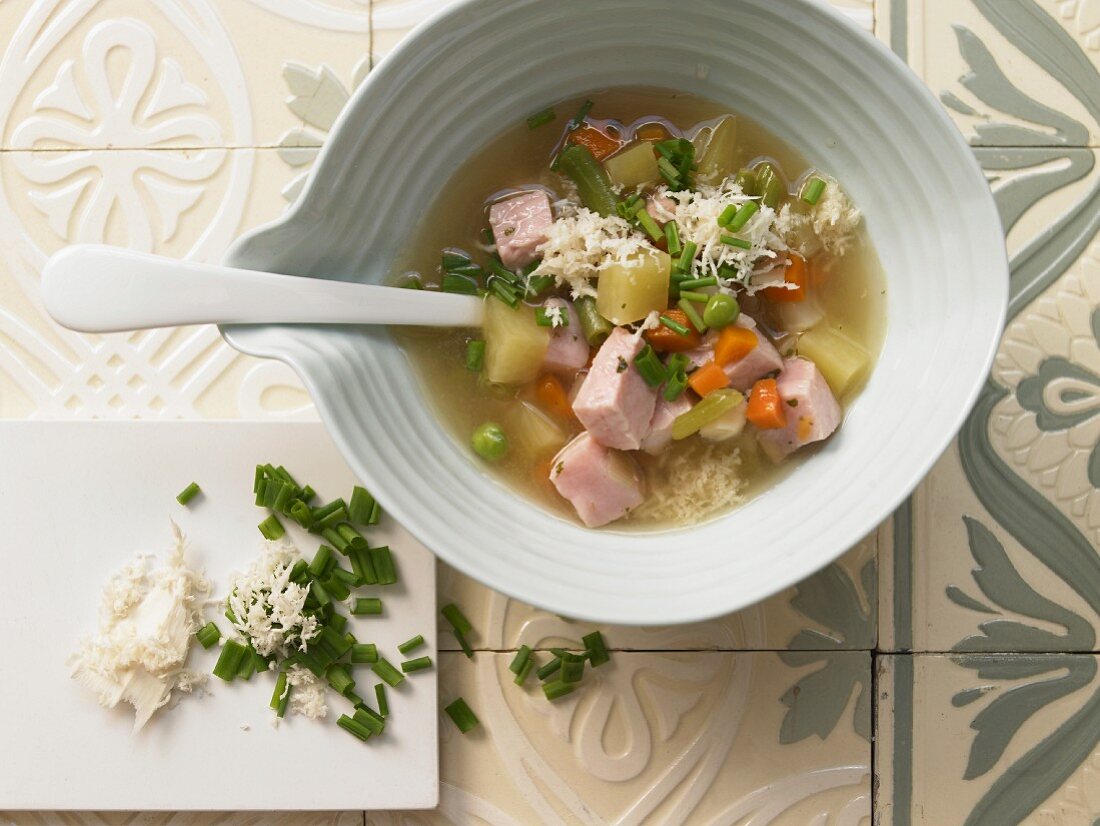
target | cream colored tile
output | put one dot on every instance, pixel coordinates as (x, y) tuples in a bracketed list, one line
[(236, 73), (185, 203), (834, 609), (1007, 524), (994, 739), (693, 738), (987, 59)]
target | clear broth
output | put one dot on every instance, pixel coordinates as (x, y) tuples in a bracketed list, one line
[(852, 294)]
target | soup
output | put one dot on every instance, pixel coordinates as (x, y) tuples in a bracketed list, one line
[(677, 308)]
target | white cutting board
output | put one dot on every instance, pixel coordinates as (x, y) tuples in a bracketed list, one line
[(79, 500)]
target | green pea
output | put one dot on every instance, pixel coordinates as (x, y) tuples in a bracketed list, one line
[(489, 442), (721, 310)]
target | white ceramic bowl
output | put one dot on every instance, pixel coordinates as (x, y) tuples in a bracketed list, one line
[(802, 71)]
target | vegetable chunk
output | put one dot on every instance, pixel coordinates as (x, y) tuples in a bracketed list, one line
[(514, 344), (626, 294)]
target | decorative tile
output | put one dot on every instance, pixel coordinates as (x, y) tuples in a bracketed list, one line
[(1016, 73), (658, 737), (994, 739), (174, 72), (186, 203), (833, 610)]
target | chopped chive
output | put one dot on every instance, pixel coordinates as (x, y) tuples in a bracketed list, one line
[(352, 537), (813, 190), (698, 298), (740, 243), (364, 653), (453, 259), (695, 283), (300, 572), (687, 256), (229, 660), (692, 314), (188, 493), (370, 719), (461, 715), (300, 512), (418, 664), (672, 239), (550, 668), (313, 663), (380, 697), (322, 513), (337, 588), (353, 698), (283, 499), (360, 506), (411, 644), (727, 215), (521, 676), (365, 606), (675, 386), (463, 644), (557, 689), (475, 355), (542, 319), (582, 113), (381, 560), (333, 643), (744, 213), (523, 656), (322, 560), (453, 614), (540, 118), (336, 539), (338, 623), (674, 325), (355, 728), (345, 576), (261, 492), (572, 670), (387, 673), (258, 478), (499, 288), (375, 513), (307, 494), (363, 567), (280, 695), (454, 283), (669, 172), (339, 679), (596, 649), (649, 366), (320, 593), (247, 666), (646, 222), (272, 528), (208, 636)]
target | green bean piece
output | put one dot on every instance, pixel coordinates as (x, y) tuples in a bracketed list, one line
[(596, 327), (593, 183)]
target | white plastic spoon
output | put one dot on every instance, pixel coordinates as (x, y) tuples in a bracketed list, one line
[(99, 289)]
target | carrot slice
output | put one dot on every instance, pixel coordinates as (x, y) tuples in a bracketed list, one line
[(665, 340), (708, 378), (734, 343), (598, 143), (797, 273), (552, 396), (765, 408)]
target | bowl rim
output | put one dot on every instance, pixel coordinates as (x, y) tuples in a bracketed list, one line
[(887, 61)]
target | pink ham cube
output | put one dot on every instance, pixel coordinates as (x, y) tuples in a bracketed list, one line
[(760, 360), (568, 349), (519, 225), (660, 426), (614, 403), (603, 485), (813, 412)]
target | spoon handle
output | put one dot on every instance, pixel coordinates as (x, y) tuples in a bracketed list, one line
[(99, 289)]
